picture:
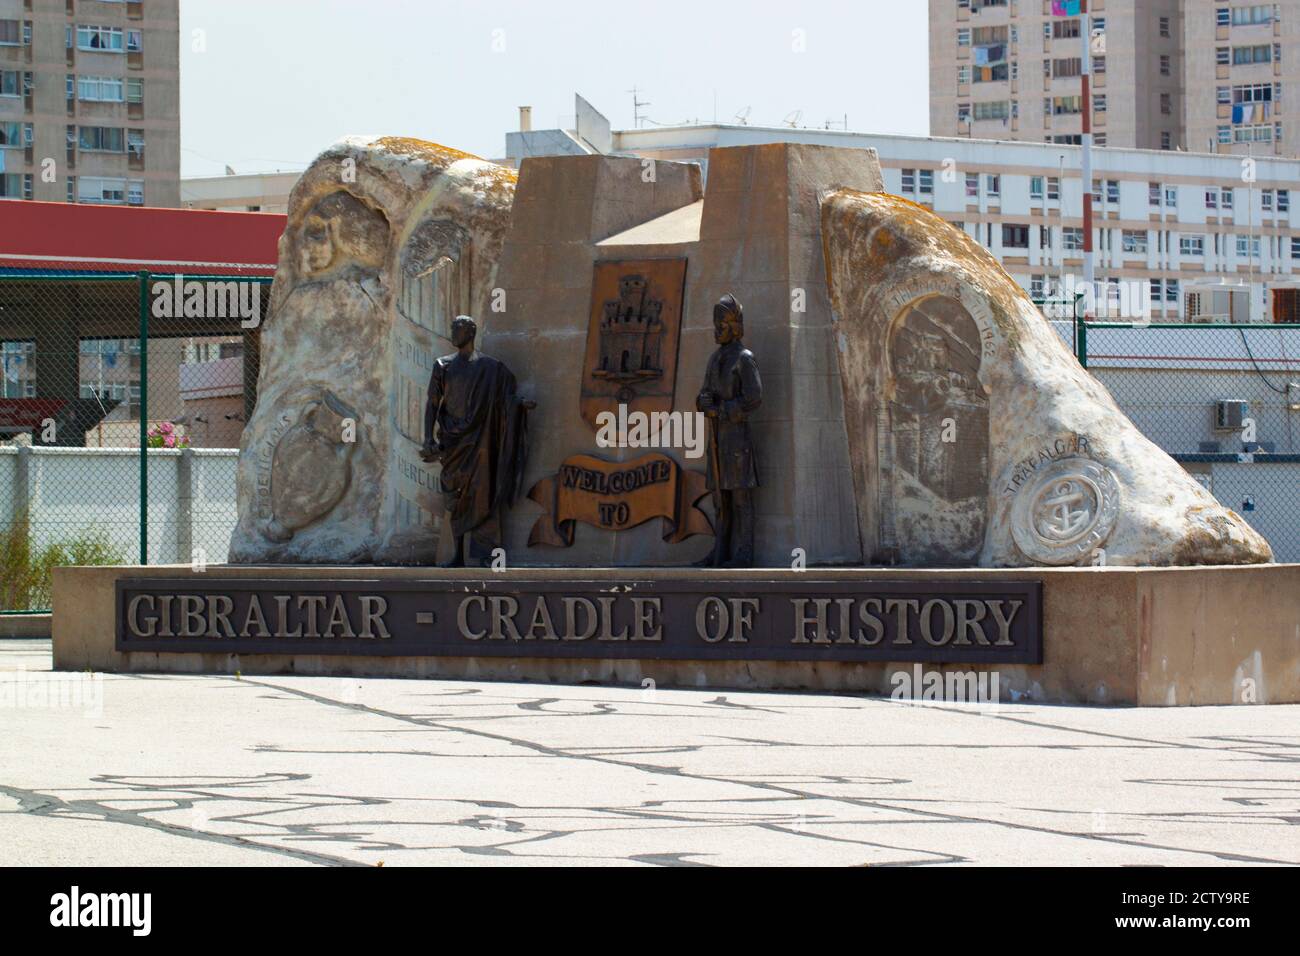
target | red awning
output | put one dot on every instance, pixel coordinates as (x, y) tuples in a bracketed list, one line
[(51, 236)]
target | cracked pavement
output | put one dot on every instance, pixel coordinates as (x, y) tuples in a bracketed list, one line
[(190, 770)]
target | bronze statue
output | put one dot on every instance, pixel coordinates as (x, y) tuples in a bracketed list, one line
[(482, 428), (732, 391)]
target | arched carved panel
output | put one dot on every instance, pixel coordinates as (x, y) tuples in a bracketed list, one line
[(934, 450)]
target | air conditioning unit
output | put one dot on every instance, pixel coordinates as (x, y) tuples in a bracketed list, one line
[(1229, 413)]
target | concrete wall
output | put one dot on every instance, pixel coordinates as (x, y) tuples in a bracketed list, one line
[(71, 491), (1159, 637)]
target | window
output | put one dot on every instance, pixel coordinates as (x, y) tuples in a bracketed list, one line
[(963, 112), (993, 110), (1171, 197), (1260, 53), (1191, 245), (1069, 66), (1225, 199), (993, 185), (1099, 102), (135, 192), (1295, 247), (1211, 199), (1098, 139), (1036, 285), (1015, 236), (1224, 134), (1153, 194), (972, 185), (1064, 29), (11, 33), (71, 87), (1066, 105), (134, 41), (1223, 94), (135, 91), (1166, 65), (11, 135), (1165, 32), (1248, 247), (1284, 200), (1098, 64), (1249, 16), (109, 139), (1222, 56), (135, 142), (1157, 290), (1053, 187), (1266, 200), (925, 178), (1036, 187), (1166, 104), (963, 75), (963, 36), (13, 186), (103, 39), (1134, 241), (1112, 191), (1072, 238), (100, 89), (1171, 290), (909, 181), (1222, 17), (98, 189), (1166, 139)]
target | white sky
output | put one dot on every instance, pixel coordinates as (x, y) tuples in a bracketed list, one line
[(282, 79)]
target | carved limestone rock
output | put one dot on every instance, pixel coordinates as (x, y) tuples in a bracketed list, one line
[(976, 437), (387, 240)]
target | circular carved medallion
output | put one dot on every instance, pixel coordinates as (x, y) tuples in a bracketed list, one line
[(1066, 512)]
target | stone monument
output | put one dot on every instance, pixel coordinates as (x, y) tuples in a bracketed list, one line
[(922, 474)]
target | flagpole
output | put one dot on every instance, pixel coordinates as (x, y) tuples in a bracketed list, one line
[(1085, 76)]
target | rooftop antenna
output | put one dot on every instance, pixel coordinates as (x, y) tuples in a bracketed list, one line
[(743, 116), (637, 118), (792, 118)]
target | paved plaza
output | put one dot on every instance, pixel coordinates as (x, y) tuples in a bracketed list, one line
[(151, 770)]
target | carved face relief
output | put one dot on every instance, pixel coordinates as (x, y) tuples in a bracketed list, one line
[(315, 246), (341, 231)]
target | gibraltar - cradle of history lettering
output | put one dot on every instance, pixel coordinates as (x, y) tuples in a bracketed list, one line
[(595, 422)]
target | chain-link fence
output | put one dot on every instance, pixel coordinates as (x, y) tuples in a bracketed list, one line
[(1221, 399), (121, 406)]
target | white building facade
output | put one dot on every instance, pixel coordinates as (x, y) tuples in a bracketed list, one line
[(1165, 220)]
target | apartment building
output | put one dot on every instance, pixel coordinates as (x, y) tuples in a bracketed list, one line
[(1009, 69), (1200, 75), (1175, 222), (90, 101), (1241, 59)]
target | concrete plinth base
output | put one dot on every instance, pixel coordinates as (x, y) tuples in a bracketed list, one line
[(1158, 637)]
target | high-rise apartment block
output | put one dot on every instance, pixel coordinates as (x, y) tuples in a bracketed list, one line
[(1199, 75), (90, 101)]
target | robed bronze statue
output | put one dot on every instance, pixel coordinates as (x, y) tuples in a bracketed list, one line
[(732, 391), (476, 426)]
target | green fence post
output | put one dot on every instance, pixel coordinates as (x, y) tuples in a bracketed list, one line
[(1083, 341), (143, 276)]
